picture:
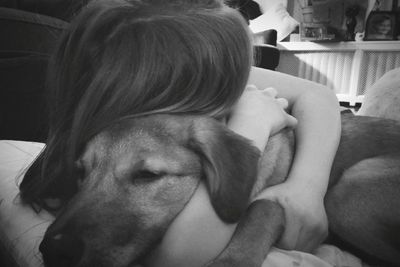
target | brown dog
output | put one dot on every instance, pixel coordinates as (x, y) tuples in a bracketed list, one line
[(138, 174)]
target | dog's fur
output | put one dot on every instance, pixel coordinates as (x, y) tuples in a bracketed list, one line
[(138, 174)]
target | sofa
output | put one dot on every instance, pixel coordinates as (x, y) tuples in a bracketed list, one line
[(27, 43)]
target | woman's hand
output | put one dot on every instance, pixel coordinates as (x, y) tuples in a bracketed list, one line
[(317, 138), (306, 224), (259, 114)]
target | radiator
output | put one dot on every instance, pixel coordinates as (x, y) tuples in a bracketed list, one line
[(348, 69)]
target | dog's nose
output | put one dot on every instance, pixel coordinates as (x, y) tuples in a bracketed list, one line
[(61, 250)]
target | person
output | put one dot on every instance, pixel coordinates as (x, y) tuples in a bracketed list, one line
[(127, 58), (381, 27)]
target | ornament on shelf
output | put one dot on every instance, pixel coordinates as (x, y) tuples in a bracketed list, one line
[(351, 21)]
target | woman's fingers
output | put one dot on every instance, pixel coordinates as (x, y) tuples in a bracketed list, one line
[(309, 239), (289, 237), (251, 87), (283, 102), (269, 105), (291, 233), (298, 237), (307, 242), (291, 121), (270, 91), (273, 93), (304, 230)]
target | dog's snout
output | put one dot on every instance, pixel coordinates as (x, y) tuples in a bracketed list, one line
[(61, 250)]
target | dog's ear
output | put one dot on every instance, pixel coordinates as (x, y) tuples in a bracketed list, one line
[(230, 165)]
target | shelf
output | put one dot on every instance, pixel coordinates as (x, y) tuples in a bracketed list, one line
[(340, 46)]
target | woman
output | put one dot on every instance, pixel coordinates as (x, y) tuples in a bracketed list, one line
[(122, 58)]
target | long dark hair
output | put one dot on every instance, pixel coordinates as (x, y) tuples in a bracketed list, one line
[(122, 58)]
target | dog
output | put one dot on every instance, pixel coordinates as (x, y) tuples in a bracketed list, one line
[(139, 173)]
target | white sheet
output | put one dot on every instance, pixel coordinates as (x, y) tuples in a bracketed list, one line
[(21, 229)]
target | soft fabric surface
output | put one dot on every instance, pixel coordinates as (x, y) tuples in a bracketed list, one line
[(383, 97), (276, 17), (21, 229), (267, 4)]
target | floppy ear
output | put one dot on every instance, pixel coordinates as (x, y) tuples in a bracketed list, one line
[(230, 165), (57, 184)]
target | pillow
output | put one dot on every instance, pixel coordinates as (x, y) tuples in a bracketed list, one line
[(382, 98), (21, 229), (276, 18), (267, 4)]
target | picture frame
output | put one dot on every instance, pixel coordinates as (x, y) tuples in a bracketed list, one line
[(396, 8), (381, 25), (383, 5)]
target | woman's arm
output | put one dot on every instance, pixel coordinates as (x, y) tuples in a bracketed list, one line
[(317, 111), (317, 136), (248, 117)]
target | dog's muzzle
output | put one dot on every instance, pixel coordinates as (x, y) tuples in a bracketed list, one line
[(61, 250)]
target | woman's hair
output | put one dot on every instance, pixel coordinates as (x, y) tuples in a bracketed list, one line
[(122, 58)]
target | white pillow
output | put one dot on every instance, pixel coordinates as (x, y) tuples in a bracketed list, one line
[(21, 229), (276, 18), (266, 4)]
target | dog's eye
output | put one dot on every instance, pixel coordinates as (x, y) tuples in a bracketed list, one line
[(79, 170), (146, 174)]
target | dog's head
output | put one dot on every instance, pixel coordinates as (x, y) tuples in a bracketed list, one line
[(136, 176)]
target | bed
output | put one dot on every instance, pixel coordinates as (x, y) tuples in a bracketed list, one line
[(21, 229)]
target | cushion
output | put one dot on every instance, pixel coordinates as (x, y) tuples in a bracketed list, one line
[(381, 100), (21, 229), (267, 4), (276, 17), (266, 56)]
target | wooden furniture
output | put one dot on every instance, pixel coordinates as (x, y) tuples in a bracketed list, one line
[(348, 68)]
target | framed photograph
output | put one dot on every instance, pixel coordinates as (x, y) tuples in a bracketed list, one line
[(396, 8), (381, 25)]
